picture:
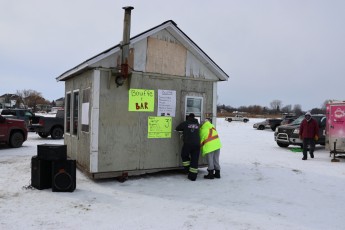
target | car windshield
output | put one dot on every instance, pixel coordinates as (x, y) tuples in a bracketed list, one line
[(298, 120)]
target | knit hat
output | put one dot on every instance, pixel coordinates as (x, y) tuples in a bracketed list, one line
[(307, 114)]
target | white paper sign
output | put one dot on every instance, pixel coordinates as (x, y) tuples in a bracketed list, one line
[(85, 113), (166, 103)]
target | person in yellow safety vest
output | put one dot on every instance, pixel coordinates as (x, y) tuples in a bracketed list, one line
[(210, 147)]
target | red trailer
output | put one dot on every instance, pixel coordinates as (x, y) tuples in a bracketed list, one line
[(335, 128)]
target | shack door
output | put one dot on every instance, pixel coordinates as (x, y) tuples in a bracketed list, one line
[(336, 126)]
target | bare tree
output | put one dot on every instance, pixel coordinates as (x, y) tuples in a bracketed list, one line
[(31, 98), (297, 109), (255, 109), (323, 106), (317, 111), (276, 105), (286, 109)]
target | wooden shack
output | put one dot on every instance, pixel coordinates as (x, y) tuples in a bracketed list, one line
[(121, 109)]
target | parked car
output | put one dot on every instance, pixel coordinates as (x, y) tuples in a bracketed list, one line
[(13, 132), (270, 123), (286, 135), (287, 120), (274, 123), (237, 118), (51, 126), (22, 114)]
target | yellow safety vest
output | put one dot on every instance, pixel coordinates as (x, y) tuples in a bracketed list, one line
[(209, 139)]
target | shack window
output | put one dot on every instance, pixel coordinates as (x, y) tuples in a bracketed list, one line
[(68, 113), (75, 112), (85, 110), (194, 105)]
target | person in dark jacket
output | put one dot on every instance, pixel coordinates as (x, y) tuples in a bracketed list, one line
[(191, 145), (309, 133)]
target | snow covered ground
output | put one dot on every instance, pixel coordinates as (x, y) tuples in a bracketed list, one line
[(263, 187)]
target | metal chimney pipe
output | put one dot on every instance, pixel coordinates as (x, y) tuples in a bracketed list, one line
[(126, 34)]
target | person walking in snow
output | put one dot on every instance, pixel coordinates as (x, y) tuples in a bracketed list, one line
[(309, 133), (191, 145), (210, 147)]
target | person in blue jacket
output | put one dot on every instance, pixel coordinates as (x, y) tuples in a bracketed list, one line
[(191, 145)]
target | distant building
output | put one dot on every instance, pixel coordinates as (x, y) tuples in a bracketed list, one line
[(60, 102), (8, 100)]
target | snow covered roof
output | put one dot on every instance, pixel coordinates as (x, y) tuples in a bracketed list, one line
[(170, 26)]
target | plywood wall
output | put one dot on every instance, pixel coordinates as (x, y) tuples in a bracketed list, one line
[(165, 57)]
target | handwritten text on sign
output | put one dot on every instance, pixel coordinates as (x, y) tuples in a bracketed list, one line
[(159, 127), (166, 103), (141, 100)]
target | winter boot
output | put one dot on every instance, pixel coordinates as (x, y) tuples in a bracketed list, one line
[(209, 175), (217, 174), (192, 176), (312, 154), (304, 157)]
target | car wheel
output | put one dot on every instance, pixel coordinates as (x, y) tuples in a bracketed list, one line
[(245, 120), (261, 127), (283, 145), (43, 135), (57, 133), (16, 140), (229, 120)]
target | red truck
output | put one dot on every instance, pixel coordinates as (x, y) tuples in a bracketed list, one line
[(13, 132)]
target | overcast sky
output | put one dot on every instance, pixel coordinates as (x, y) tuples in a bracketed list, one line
[(288, 50)]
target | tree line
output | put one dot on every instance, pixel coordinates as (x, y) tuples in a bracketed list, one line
[(29, 98), (276, 107)]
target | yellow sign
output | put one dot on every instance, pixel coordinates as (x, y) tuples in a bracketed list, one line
[(141, 100), (159, 127)]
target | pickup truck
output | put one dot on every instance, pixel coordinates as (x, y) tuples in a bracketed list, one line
[(53, 126), (22, 114), (13, 132), (286, 135), (237, 118)]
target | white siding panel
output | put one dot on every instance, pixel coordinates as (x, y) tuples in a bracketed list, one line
[(196, 69), (165, 35), (140, 49), (108, 62), (214, 103), (95, 121)]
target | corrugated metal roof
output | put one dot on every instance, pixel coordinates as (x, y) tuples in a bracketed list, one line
[(171, 26)]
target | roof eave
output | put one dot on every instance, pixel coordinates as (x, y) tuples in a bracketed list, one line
[(87, 64)]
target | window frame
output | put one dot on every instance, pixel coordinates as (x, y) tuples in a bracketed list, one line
[(198, 115), (75, 108), (68, 103)]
